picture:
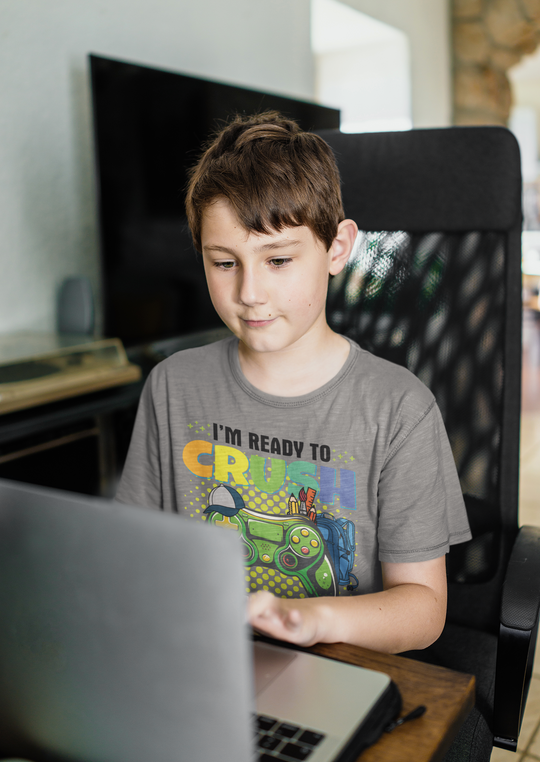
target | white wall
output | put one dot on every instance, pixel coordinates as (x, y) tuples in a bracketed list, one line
[(525, 81), (362, 66), (47, 211), (427, 24), (381, 99)]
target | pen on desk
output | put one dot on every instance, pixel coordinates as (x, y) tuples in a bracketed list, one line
[(418, 712)]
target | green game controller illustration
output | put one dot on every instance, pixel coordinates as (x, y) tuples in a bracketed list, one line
[(290, 544)]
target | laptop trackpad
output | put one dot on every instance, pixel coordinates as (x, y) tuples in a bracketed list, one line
[(268, 664)]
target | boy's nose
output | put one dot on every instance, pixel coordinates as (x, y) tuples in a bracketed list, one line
[(251, 289)]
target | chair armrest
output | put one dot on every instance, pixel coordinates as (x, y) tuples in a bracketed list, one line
[(517, 636), (521, 589)]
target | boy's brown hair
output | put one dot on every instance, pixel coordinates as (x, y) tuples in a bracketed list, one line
[(272, 173)]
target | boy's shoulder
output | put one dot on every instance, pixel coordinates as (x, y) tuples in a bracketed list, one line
[(193, 361), (385, 377)]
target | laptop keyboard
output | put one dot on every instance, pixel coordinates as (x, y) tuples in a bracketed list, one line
[(278, 740)]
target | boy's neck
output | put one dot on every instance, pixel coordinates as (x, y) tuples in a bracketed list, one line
[(298, 369)]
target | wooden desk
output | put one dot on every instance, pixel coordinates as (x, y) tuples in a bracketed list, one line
[(447, 695)]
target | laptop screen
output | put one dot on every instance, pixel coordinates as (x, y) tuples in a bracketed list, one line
[(123, 636)]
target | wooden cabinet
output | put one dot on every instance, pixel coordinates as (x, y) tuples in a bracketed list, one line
[(78, 444)]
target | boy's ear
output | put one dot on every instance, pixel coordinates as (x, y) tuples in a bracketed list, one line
[(342, 245)]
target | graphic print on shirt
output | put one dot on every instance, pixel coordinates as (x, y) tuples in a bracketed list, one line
[(293, 543)]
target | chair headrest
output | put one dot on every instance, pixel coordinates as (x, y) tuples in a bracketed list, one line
[(449, 179)]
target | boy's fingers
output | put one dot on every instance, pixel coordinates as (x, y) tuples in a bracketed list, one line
[(294, 618), (276, 617), (263, 608), (260, 603)]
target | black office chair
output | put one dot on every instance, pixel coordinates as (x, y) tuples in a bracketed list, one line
[(435, 285)]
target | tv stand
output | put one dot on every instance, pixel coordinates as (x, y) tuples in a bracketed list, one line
[(80, 444), (160, 350)]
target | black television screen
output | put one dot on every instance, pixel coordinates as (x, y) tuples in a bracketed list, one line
[(149, 125)]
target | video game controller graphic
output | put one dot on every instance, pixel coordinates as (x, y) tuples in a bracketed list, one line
[(290, 544)]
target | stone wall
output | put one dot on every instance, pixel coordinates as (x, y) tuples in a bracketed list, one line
[(489, 37)]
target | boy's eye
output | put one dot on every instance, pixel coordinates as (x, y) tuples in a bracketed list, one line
[(225, 265), (279, 261)]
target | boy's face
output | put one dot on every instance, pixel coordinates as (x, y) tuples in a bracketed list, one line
[(270, 290)]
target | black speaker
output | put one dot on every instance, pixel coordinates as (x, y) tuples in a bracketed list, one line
[(75, 308)]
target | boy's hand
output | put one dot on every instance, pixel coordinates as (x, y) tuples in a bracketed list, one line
[(296, 621), (407, 614)]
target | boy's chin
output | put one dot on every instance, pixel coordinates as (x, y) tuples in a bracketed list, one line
[(252, 346), (266, 345)]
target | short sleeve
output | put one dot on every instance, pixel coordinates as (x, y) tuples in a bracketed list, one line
[(141, 478), (421, 508)]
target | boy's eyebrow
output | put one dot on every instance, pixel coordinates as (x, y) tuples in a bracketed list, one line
[(282, 244)]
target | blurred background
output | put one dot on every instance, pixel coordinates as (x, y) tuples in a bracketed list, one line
[(387, 65)]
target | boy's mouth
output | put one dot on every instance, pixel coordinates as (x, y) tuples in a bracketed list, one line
[(257, 323)]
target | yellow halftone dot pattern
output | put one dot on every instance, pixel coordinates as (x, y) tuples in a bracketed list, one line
[(263, 502), (261, 578)]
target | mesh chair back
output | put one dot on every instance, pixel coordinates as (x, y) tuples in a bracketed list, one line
[(434, 285)]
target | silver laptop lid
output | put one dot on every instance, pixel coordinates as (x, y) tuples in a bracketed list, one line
[(123, 636)]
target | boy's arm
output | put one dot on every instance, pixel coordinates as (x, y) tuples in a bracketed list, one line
[(141, 477), (408, 614)]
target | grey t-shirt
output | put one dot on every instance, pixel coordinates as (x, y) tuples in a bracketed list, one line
[(322, 487)]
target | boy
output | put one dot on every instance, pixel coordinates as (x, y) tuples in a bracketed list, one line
[(332, 464)]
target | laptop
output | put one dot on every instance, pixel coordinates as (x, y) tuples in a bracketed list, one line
[(124, 639)]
